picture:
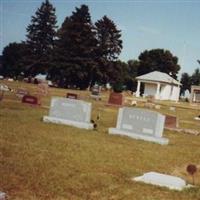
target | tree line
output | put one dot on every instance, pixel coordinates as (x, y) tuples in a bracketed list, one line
[(80, 52)]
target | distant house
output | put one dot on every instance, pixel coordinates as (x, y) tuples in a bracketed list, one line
[(159, 85)]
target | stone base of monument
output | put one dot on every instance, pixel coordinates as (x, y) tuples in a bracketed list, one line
[(55, 120), (163, 180), (159, 140)]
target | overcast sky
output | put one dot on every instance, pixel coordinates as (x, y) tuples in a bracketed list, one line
[(172, 25)]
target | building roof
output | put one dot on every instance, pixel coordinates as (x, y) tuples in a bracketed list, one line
[(157, 76)]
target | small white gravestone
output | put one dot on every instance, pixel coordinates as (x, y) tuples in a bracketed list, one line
[(140, 124), (172, 182), (70, 112)]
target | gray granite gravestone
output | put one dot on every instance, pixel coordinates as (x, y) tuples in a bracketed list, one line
[(70, 112), (140, 124)]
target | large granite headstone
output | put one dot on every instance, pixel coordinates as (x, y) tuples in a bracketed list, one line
[(115, 99), (70, 112), (140, 124)]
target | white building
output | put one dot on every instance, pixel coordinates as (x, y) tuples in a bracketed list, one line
[(159, 85)]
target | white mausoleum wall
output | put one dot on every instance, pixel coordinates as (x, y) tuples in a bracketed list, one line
[(150, 89), (175, 93)]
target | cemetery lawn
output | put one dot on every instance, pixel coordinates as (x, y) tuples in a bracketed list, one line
[(48, 161)]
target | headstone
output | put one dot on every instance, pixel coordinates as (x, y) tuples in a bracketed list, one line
[(171, 121), (30, 100), (115, 99), (72, 96), (95, 93), (163, 180), (70, 112), (140, 124), (22, 92)]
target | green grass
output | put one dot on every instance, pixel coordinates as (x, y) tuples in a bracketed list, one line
[(49, 161)]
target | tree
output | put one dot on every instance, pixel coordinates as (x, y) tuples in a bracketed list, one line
[(195, 78), (186, 82), (13, 63), (131, 82), (108, 37), (109, 46), (158, 60), (75, 49), (41, 36)]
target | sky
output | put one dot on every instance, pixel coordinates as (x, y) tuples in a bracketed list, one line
[(145, 25)]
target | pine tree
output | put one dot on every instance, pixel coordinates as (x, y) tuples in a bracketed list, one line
[(108, 36), (41, 35), (108, 49), (75, 51)]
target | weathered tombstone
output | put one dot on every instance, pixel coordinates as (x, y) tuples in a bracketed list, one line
[(115, 99), (72, 96), (21, 92), (171, 121), (30, 100), (70, 112), (95, 92), (140, 124), (172, 182)]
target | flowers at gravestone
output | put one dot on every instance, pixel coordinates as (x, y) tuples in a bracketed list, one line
[(192, 169)]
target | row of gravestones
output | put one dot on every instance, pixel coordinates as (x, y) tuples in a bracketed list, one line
[(133, 122)]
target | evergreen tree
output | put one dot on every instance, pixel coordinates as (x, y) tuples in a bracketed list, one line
[(75, 51), (186, 82), (108, 36), (40, 37), (13, 62), (195, 78), (109, 47)]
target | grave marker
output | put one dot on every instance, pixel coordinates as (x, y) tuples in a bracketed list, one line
[(70, 112), (72, 96), (115, 99), (140, 124), (30, 100), (95, 93), (171, 121), (21, 92)]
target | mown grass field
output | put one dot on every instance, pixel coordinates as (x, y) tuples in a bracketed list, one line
[(47, 161)]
